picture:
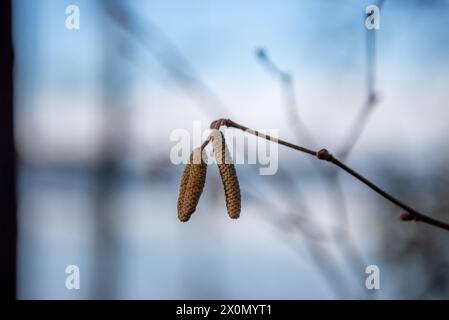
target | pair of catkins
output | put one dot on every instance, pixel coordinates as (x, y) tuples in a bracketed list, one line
[(194, 179)]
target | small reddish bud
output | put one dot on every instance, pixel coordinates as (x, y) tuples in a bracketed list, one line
[(323, 154), (406, 217)]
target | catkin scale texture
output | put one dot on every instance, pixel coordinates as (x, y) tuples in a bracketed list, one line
[(227, 173), (192, 184)]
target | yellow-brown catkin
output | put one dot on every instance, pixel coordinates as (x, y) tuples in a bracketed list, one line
[(227, 173), (192, 184)]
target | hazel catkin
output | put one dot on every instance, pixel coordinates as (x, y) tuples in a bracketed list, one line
[(192, 184)]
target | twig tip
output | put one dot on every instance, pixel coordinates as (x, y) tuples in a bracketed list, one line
[(261, 53), (219, 123)]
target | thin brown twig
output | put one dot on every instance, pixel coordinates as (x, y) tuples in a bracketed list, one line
[(323, 154)]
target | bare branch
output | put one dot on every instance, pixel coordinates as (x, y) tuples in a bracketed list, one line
[(323, 154)]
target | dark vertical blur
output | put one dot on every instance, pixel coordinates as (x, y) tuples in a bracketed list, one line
[(8, 225), (106, 244)]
